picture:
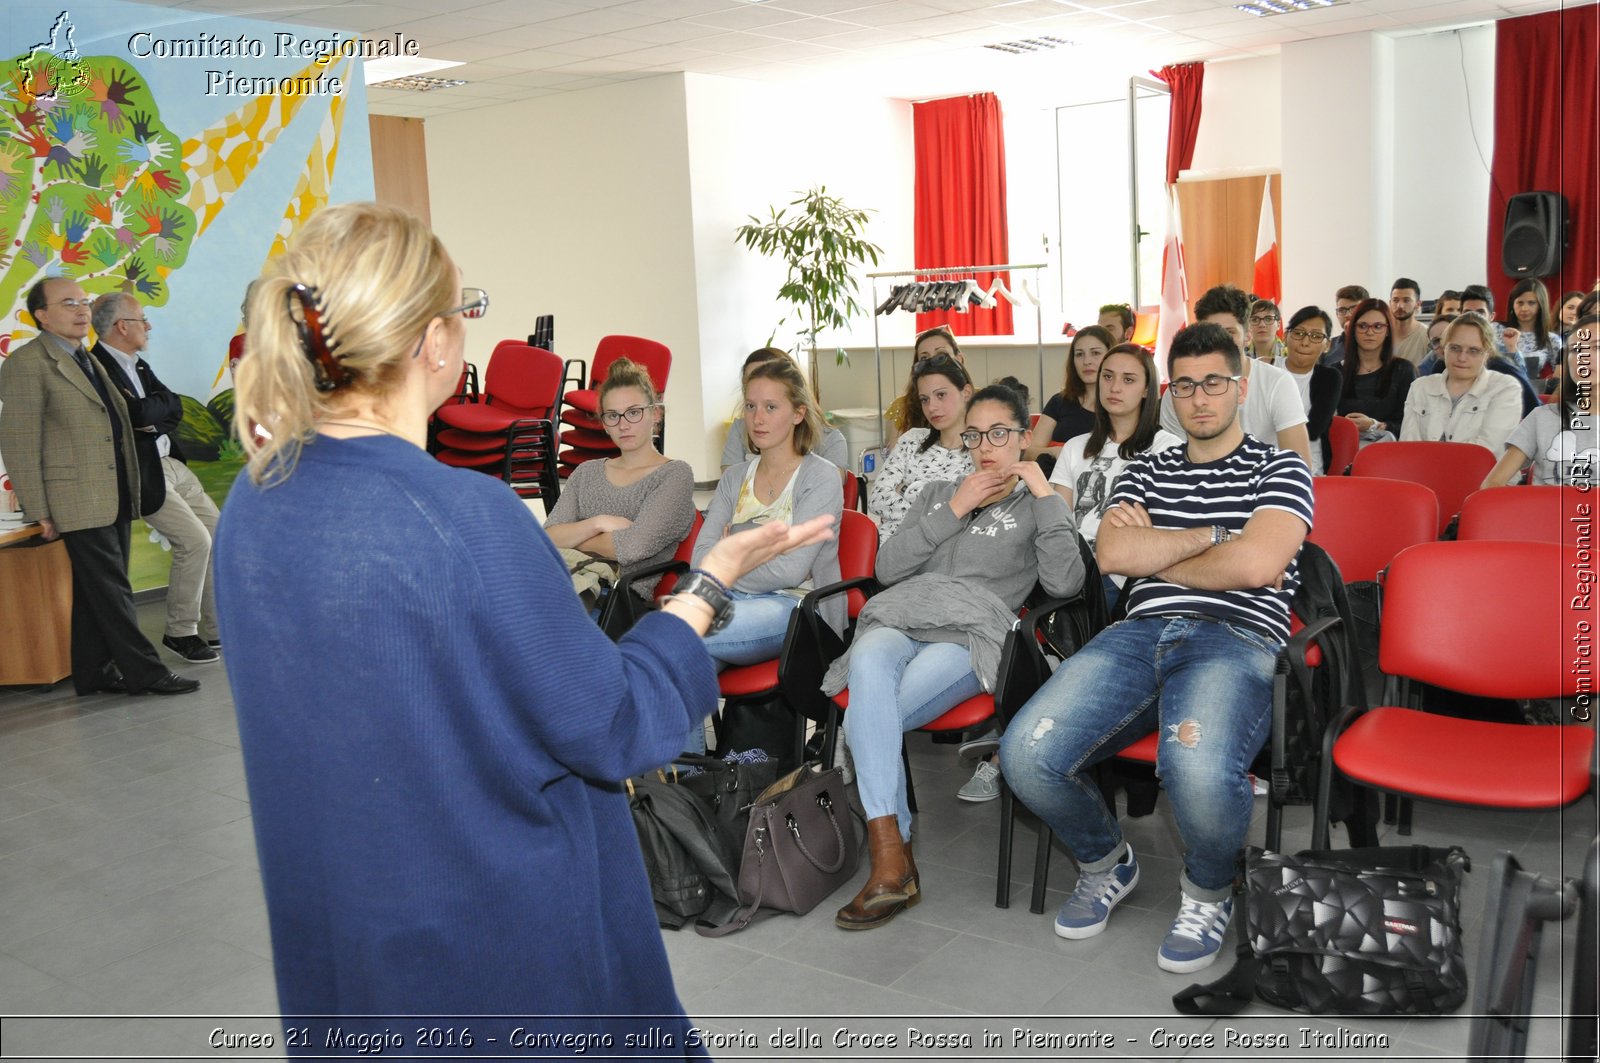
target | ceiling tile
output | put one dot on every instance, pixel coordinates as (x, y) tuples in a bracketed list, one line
[(538, 35), (820, 7), (525, 11), (439, 29), (605, 20), (665, 10), (889, 14), (476, 49), (662, 33), (733, 43), (597, 47), (611, 65), (534, 59), (749, 17), (536, 79), (807, 29)]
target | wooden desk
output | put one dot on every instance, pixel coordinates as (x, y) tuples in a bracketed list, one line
[(35, 609)]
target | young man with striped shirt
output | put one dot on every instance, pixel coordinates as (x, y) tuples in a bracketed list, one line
[(1210, 533)]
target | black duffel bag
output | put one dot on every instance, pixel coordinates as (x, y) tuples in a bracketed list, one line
[(1353, 931)]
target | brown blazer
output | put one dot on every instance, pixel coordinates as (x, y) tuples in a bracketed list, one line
[(56, 437)]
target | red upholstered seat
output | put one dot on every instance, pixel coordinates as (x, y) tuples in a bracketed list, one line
[(1468, 762), (480, 417), (585, 399), (1144, 750), (1344, 440), (969, 713), (748, 679), (1453, 470), (1363, 521), (586, 439), (508, 432), (1544, 514)]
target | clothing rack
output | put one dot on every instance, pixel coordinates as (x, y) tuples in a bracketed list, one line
[(943, 271)]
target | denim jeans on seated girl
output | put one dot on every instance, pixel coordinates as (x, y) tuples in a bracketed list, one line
[(897, 684), (1205, 685), (754, 634)]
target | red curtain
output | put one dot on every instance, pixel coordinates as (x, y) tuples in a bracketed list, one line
[(1545, 135), (1183, 119), (960, 202)]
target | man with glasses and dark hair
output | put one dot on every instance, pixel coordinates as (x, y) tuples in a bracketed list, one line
[(69, 448), (1208, 535), (1264, 344), (1410, 338), (1272, 412), (1117, 319), (1345, 300), (174, 502)]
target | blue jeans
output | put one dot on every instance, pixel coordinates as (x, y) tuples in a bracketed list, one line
[(754, 634), (897, 684), (1205, 685)]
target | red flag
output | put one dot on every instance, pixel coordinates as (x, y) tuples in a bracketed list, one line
[(1268, 280)]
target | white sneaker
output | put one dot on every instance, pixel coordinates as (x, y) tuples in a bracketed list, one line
[(984, 784)]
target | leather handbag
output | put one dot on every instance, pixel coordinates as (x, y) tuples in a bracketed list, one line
[(803, 842), (1372, 931), (690, 857)]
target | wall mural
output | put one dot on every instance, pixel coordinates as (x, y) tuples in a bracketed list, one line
[(168, 154)]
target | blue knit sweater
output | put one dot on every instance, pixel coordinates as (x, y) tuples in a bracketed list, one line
[(432, 732)]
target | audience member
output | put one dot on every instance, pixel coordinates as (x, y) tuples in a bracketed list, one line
[(1319, 385), (1070, 412), (956, 571), (70, 453), (1560, 439), (1272, 412), (905, 413), (1212, 531), (1467, 403), (737, 447), (788, 483), (1448, 304), (1567, 314), (1344, 301), (1118, 319), (924, 455), (1478, 299), (1538, 345), (174, 502), (1375, 381), (1265, 344), (1410, 338), (1436, 330), (634, 508)]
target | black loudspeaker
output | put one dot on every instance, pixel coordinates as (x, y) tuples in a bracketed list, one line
[(1535, 234)]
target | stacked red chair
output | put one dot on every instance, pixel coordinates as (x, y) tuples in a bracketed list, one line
[(509, 432), (583, 437)]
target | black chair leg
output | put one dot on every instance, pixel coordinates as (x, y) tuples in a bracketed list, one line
[(1008, 825), (1405, 817), (1391, 805), (1274, 825), (1041, 868), (911, 789)]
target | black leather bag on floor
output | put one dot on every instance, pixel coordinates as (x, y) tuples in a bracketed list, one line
[(803, 842), (692, 858), (1354, 931)]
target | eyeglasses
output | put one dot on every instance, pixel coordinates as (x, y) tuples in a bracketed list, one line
[(633, 415), (998, 435), (1183, 387), (941, 359), (1433, 343), (1372, 326), (1454, 349), (140, 320), (1305, 334), (476, 305), (1264, 319), (72, 304)]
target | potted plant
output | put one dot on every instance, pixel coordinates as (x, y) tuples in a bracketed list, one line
[(820, 240)]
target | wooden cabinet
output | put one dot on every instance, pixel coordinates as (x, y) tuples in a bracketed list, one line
[(35, 609)]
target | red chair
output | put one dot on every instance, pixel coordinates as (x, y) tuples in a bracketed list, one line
[(1453, 470), (509, 432), (1436, 630), (1545, 514), (623, 608), (1344, 440), (584, 438), (1363, 521)]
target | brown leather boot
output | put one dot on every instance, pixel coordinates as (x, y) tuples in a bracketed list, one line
[(891, 886)]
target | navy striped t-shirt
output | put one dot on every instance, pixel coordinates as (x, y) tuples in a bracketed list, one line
[(1178, 493)]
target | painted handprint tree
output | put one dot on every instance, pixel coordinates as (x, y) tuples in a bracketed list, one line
[(91, 187)]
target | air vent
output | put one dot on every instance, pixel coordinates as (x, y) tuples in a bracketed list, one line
[(1268, 8), (1029, 45), (418, 84)]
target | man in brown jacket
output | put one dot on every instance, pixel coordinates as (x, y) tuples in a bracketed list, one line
[(69, 449)]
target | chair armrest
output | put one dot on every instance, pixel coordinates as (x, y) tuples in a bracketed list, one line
[(566, 373), (1023, 668), (869, 586), (661, 568)]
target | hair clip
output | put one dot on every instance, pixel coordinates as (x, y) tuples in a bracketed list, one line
[(314, 338)]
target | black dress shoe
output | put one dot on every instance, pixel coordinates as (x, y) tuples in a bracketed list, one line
[(107, 681), (171, 684)]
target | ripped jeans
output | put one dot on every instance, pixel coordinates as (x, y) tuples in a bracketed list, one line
[(1207, 687)]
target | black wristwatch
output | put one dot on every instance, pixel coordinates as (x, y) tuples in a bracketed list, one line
[(709, 590)]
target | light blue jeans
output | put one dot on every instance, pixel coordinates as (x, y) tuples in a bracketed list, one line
[(897, 684), (1205, 685), (754, 634)]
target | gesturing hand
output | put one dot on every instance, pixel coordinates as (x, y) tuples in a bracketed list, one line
[(1030, 473), (735, 555)]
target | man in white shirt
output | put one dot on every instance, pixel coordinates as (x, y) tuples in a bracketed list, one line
[(1272, 412), (173, 501)]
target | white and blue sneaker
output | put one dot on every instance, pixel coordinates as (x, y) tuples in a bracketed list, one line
[(1196, 935), (1085, 912)]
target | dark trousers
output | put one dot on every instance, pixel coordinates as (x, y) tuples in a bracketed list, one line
[(105, 628)]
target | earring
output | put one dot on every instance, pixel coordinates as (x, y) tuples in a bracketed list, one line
[(441, 363)]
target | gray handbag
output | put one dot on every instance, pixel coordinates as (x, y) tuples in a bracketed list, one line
[(802, 843)]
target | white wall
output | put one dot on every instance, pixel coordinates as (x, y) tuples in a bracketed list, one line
[(1240, 119), (576, 205)]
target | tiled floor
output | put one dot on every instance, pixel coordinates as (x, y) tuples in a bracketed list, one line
[(128, 886)]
